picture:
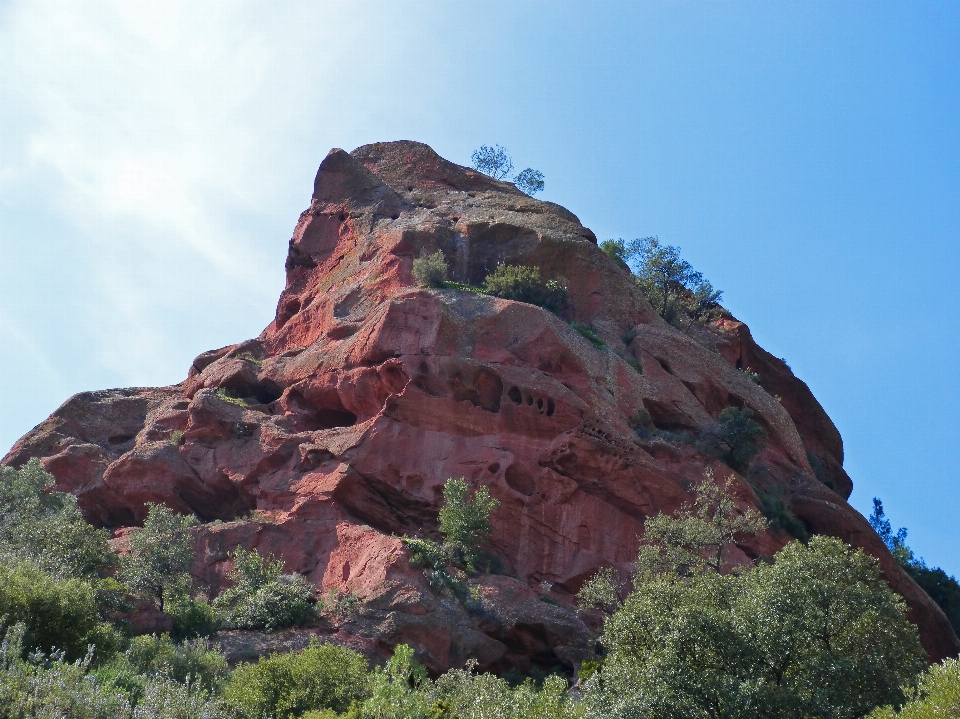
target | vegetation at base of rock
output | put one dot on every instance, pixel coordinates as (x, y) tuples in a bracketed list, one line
[(157, 566), (779, 516), (430, 270), (45, 528), (590, 334), (815, 633), (676, 291), (524, 284), (496, 162), (937, 695), (283, 686), (942, 588), (262, 596)]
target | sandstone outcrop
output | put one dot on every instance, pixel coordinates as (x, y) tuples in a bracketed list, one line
[(331, 434)]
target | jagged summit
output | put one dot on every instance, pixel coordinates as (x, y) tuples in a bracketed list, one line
[(340, 423)]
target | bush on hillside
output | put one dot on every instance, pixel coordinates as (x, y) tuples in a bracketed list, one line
[(430, 270), (817, 633), (262, 596), (523, 284), (58, 615), (282, 686), (936, 697), (739, 437), (161, 555), (46, 528)]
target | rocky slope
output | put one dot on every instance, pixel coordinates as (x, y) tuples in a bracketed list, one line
[(367, 392)]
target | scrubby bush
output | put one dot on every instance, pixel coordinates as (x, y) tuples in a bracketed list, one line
[(936, 697), (161, 555), (817, 633), (57, 614), (193, 618), (739, 437), (262, 596), (46, 528), (322, 676), (430, 270), (523, 284), (676, 291), (150, 656)]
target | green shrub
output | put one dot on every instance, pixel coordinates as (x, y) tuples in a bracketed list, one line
[(739, 437), (465, 521), (58, 615), (161, 555), (224, 394), (523, 284), (816, 634), (195, 663), (593, 338), (780, 518), (262, 597), (193, 618), (282, 686), (430, 270), (936, 697), (46, 528)]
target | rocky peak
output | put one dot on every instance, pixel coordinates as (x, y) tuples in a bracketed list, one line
[(340, 423)]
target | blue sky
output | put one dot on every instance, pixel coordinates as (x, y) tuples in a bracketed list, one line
[(154, 157)]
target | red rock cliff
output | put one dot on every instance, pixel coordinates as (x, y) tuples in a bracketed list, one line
[(367, 392)]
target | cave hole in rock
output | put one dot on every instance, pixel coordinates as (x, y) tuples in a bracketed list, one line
[(540, 404), (529, 400), (520, 480), (515, 396), (551, 407), (666, 416), (180, 406), (494, 468), (121, 439), (666, 367), (342, 217), (258, 392), (314, 416)]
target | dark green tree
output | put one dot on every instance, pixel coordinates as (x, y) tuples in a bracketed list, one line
[(739, 437)]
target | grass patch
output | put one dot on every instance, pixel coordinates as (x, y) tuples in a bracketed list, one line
[(463, 287), (589, 334), (247, 357), (223, 394)]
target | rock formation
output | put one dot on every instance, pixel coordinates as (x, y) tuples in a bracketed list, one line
[(331, 434)]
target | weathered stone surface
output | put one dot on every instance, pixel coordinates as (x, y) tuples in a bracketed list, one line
[(367, 392)]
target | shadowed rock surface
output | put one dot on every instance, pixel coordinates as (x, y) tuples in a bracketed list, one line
[(340, 423)]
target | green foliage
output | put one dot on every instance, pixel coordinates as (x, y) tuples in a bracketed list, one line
[(157, 567), (781, 519), (399, 690), (176, 438), (46, 528), (430, 270), (224, 394), (192, 618), (696, 538), (465, 695), (523, 284), (816, 634), (495, 161), (739, 438), (751, 375), (592, 337), (601, 592), (152, 656), (58, 614), (342, 605), (262, 596), (529, 181), (936, 697), (675, 290), (465, 521), (942, 588), (282, 686)]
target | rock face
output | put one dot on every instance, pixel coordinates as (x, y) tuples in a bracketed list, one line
[(367, 392)]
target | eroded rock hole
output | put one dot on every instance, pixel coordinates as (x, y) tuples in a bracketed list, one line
[(520, 480), (529, 400), (319, 415), (515, 396), (121, 439), (666, 367), (551, 407), (179, 406), (540, 405)]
